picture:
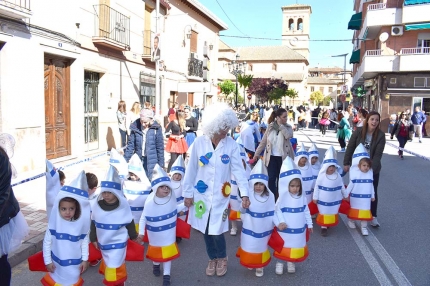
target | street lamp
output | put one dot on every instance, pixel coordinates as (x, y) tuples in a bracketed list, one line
[(236, 68), (343, 75)]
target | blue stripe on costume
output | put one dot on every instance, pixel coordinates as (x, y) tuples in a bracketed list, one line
[(256, 234), (294, 230), (65, 262), (259, 176), (111, 185), (329, 204), (360, 196), (108, 226), (112, 246), (365, 154), (162, 217), (293, 210), (75, 191), (307, 178), (330, 189), (161, 227), (233, 182), (260, 215), (130, 192), (358, 181), (66, 236), (159, 180), (232, 197), (290, 172), (136, 209)]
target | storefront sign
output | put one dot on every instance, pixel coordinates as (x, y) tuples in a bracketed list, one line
[(368, 82)]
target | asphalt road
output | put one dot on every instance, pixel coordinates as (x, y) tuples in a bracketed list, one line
[(397, 253)]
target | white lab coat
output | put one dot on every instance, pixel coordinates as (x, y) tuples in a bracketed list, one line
[(214, 175)]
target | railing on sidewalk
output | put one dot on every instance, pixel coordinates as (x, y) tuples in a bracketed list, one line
[(112, 25), (16, 4), (377, 6), (415, 51)]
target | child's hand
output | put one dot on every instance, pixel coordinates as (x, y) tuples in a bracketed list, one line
[(315, 201), (50, 267), (139, 239), (373, 199), (311, 230), (83, 266), (95, 244), (282, 226), (181, 213), (346, 199)]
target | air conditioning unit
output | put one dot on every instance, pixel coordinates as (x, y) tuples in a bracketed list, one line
[(194, 56), (396, 30)]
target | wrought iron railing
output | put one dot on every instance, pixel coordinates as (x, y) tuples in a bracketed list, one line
[(195, 67), (147, 34), (111, 24), (16, 4), (91, 115), (415, 51)]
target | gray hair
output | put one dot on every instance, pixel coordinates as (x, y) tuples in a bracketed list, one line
[(217, 117)]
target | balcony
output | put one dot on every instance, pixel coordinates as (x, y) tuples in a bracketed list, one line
[(414, 59), (16, 9), (195, 69), (374, 62), (112, 29), (379, 15), (416, 13)]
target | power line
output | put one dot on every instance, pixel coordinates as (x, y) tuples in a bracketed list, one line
[(278, 39), (229, 18)]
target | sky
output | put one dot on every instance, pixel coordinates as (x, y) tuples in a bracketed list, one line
[(263, 19)]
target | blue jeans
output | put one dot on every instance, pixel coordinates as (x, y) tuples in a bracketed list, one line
[(215, 244), (123, 137), (273, 170), (402, 142)]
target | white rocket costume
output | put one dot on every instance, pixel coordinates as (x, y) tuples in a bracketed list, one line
[(235, 201), (306, 171), (360, 187), (292, 210), (313, 152), (112, 234), (328, 191), (159, 218), (136, 192), (208, 181), (66, 242), (247, 131), (257, 222), (53, 186), (119, 162), (178, 167)]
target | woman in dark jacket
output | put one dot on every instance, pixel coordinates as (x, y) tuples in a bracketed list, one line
[(373, 140), (401, 130), (191, 126), (13, 227), (146, 140)]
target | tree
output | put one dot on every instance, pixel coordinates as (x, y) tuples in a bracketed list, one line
[(317, 97), (327, 100), (245, 80), (268, 89), (291, 93), (227, 87)]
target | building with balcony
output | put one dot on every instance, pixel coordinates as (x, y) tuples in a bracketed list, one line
[(391, 55), (66, 71)]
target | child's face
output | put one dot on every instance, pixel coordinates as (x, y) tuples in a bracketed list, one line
[(331, 170), (109, 197), (302, 162), (294, 188), (314, 160), (176, 177), (133, 176), (364, 167), (62, 182), (259, 188), (162, 191), (67, 210)]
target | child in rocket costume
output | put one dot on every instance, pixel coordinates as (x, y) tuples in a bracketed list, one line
[(137, 188), (235, 201), (328, 192), (360, 189), (292, 217), (159, 218), (302, 161), (177, 173), (257, 222), (65, 246), (53, 186), (316, 166), (112, 224), (119, 162)]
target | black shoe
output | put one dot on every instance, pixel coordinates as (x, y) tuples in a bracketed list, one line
[(178, 239), (166, 280), (156, 270), (324, 232), (401, 156)]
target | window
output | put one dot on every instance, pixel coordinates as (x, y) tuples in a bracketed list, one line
[(393, 80), (300, 24), (330, 89), (419, 82), (424, 44), (193, 42), (322, 89), (249, 67), (274, 67), (91, 111), (312, 88), (147, 34), (291, 25)]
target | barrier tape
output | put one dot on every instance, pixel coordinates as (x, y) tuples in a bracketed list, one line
[(408, 151), (61, 168)]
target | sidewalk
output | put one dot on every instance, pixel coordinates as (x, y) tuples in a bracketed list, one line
[(32, 200)]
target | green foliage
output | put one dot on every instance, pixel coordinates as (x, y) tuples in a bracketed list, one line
[(227, 87), (327, 100), (317, 97), (245, 80), (292, 93)]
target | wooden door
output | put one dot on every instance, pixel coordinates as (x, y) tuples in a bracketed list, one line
[(57, 107)]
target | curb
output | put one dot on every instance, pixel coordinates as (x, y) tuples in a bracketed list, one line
[(28, 248)]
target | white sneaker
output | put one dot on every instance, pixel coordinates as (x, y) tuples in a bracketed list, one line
[(364, 231), (259, 272), (341, 150), (351, 224), (233, 231), (375, 222), (291, 267), (279, 269)]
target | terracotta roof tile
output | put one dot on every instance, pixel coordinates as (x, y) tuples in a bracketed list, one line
[(269, 53)]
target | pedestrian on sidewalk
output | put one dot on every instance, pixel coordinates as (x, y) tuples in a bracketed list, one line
[(176, 145), (343, 130), (418, 119), (401, 129), (121, 115), (373, 139), (213, 158), (13, 227), (191, 126)]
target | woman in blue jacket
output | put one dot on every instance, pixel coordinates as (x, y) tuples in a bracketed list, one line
[(146, 140)]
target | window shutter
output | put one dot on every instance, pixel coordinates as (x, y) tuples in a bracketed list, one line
[(193, 42)]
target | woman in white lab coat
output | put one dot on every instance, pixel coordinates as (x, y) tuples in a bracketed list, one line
[(213, 158)]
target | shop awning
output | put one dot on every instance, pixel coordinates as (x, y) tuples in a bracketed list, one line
[(420, 26), (416, 2), (355, 57), (355, 22)]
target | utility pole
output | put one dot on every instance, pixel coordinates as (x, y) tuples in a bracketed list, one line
[(343, 75), (157, 62)]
